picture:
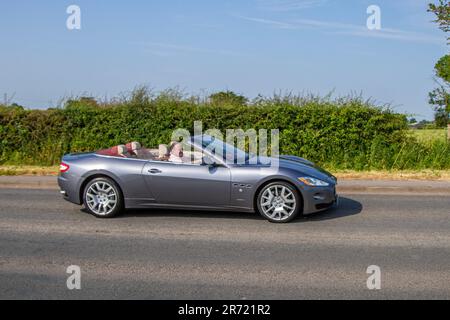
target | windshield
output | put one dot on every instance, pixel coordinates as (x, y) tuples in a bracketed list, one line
[(227, 152)]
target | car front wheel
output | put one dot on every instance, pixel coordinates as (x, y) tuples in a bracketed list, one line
[(279, 202), (102, 198)]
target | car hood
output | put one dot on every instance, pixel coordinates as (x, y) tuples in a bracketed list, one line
[(307, 167), (302, 166)]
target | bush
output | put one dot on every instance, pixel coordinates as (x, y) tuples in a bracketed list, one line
[(346, 133), (227, 97)]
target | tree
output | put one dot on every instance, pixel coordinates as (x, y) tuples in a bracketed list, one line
[(439, 98), (81, 101), (442, 12), (440, 119), (442, 68), (228, 97)]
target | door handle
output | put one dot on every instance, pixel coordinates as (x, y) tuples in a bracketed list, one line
[(154, 171)]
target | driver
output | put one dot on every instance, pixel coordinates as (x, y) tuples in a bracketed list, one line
[(176, 152)]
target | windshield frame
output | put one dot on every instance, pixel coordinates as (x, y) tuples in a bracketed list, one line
[(201, 147)]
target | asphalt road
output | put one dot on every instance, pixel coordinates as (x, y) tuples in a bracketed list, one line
[(159, 254)]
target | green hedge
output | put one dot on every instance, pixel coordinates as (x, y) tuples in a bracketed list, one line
[(347, 135)]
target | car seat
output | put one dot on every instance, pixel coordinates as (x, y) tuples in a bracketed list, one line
[(122, 151), (133, 148)]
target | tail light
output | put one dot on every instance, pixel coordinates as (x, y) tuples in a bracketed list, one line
[(64, 167)]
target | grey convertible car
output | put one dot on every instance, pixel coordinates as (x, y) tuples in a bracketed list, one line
[(128, 176)]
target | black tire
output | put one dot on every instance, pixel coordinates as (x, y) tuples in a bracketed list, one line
[(103, 198), (276, 215)]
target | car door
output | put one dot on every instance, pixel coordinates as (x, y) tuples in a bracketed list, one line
[(188, 184)]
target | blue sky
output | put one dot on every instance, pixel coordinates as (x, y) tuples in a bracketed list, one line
[(248, 46)]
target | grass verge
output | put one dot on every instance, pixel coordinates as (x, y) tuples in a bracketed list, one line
[(341, 174), (28, 171), (431, 175)]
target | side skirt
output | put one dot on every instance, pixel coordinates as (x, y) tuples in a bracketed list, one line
[(150, 203)]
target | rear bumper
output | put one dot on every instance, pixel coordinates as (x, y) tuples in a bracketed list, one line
[(68, 190), (319, 199)]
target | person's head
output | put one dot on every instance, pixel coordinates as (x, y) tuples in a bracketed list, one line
[(176, 149)]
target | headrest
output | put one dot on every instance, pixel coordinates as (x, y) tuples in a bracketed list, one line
[(122, 150), (163, 151), (132, 147), (116, 151)]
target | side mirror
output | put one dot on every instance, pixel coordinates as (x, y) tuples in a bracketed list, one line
[(210, 161)]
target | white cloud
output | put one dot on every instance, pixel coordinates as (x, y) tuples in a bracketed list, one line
[(273, 23), (168, 49), (288, 5), (395, 34), (348, 29)]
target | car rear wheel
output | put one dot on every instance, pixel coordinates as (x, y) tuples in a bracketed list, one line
[(102, 198), (279, 202)]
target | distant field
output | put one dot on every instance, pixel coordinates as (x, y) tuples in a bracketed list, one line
[(429, 135)]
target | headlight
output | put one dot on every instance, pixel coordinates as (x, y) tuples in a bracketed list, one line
[(313, 182)]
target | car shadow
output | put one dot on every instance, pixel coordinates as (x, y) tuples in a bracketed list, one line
[(347, 207), (135, 213)]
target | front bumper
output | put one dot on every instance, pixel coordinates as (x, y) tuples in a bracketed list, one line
[(318, 199)]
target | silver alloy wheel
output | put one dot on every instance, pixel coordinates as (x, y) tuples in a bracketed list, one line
[(101, 198), (278, 202)]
